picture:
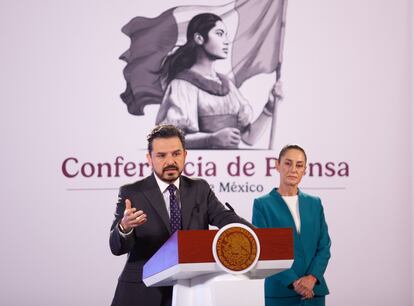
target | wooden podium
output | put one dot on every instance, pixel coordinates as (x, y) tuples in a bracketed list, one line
[(186, 262)]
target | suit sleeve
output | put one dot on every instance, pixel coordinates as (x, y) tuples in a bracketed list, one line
[(118, 243), (320, 260), (218, 215)]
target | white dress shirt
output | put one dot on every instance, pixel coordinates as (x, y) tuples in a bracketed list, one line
[(166, 194)]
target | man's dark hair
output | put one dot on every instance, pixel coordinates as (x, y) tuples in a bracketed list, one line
[(165, 131), (289, 147)]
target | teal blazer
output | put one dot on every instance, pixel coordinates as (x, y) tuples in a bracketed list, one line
[(311, 246)]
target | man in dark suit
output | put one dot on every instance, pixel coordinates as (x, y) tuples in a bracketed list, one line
[(150, 210)]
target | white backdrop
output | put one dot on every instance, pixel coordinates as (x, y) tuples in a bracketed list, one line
[(412, 147), (347, 77)]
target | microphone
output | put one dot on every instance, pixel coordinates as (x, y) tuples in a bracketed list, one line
[(229, 206), (197, 208)]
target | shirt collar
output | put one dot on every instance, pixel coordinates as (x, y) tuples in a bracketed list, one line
[(163, 185)]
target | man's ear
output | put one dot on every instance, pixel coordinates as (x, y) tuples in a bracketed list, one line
[(149, 159), (198, 39)]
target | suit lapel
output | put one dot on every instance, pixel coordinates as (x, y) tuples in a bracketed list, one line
[(187, 201), (152, 192)]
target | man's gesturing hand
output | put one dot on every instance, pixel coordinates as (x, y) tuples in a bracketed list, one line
[(132, 218)]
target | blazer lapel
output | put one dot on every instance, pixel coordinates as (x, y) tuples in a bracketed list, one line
[(305, 215), (152, 192), (284, 210)]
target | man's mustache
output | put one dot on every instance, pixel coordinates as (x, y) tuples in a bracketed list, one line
[(170, 168)]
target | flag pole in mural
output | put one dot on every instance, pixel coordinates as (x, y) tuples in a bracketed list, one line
[(256, 39), (278, 75)]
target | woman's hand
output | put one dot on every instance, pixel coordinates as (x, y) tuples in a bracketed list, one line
[(304, 286), (276, 94), (244, 116), (225, 138)]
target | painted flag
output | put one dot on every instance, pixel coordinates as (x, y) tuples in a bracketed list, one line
[(254, 30)]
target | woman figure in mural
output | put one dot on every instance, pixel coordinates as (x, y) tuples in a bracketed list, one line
[(206, 104)]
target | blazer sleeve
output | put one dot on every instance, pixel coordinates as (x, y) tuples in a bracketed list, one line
[(260, 219), (118, 243), (320, 260)]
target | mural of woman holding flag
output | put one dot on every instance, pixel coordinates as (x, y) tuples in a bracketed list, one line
[(206, 104), (172, 62)]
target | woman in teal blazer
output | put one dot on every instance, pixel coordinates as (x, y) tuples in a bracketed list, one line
[(287, 206)]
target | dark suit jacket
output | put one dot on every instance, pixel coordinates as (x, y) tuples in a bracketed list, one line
[(312, 245), (199, 208)]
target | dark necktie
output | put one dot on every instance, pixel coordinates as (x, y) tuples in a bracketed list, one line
[(175, 213)]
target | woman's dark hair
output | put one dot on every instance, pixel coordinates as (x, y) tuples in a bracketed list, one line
[(185, 56), (290, 147)]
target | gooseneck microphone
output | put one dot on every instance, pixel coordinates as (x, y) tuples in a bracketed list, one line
[(229, 206)]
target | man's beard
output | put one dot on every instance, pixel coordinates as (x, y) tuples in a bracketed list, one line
[(169, 178)]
